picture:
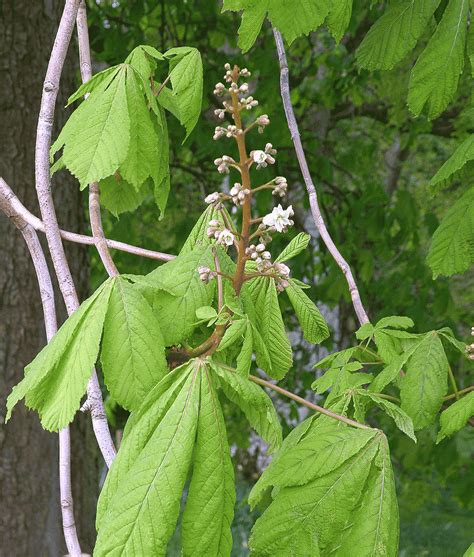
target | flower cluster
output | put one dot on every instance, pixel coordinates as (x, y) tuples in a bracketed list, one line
[(470, 347), (263, 158), (238, 194), (222, 235), (281, 186), (206, 274), (223, 163)]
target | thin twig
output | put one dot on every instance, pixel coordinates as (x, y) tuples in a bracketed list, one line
[(306, 403), (17, 208), (313, 199), (46, 204), (459, 393), (50, 323), (94, 191)]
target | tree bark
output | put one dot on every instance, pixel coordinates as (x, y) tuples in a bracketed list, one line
[(30, 519)]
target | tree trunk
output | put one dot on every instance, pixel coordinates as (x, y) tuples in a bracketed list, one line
[(30, 521)]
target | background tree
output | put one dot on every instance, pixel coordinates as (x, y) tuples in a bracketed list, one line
[(31, 522)]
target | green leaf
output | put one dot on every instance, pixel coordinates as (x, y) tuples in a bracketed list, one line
[(198, 236), (210, 504), (97, 135), (143, 59), (161, 175), (350, 501), (401, 418), (56, 379), (186, 79), (338, 18), (435, 76), (314, 326), (269, 323), (395, 34), (452, 247), (254, 403), (456, 416), (291, 22), (177, 311), (233, 334), (458, 163), (296, 246), (425, 382), (205, 313), (118, 196), (244, 359), (102, 78), (133, 352), (141, 515)]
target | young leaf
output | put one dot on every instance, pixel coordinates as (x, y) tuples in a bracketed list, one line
[(365, 518), (186, 79), (198, 236), (141, 515), (401, 418), (244, 359), (395, 34), (458, 162), (270, 325), (210, 504), (233, 334), (456, 416), (425, 382), (314, 326), (56, 379), (161, 175), (143, 59), (133, 352), (254, 403), (435, 76), (452, 247), (177, 311), (296, 246), (118, 196), (102, 78)]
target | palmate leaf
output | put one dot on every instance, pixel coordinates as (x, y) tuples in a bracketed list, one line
[(395, 34), (55, 381), (346, 505), (141, 514), (269, 324), (314, 326), (186, 79), (254, 403), (292, 21), (435, 76), (133, 352), (452, 247), (456, 416), (180, 292)]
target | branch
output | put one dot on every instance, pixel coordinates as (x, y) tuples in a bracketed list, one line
[(50, 323), (313, 199), (94, 191), (306, 403), (16, 208), (43, 189)]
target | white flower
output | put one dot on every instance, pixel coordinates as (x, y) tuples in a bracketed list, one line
[(259, 156), (225, 237), (212, 198), (279, 218)]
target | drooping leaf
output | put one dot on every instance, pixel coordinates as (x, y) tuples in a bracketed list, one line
[(350, 502), (210, 503), (141, 515), (314, 326), (435, 76), (244, 359), (143, 59), (118, 196), (254, 403), (456, 416), (425, 382), (338, 18), (55, 381), (452, 247), (133, 351), (186, 79), (177, 311), (296, 246), (458, 163), (269, 323), (102, 78), (395, 34)]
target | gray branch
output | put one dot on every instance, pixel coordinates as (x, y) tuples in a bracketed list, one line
[(313, 198), (53, 236), (50, 323)]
